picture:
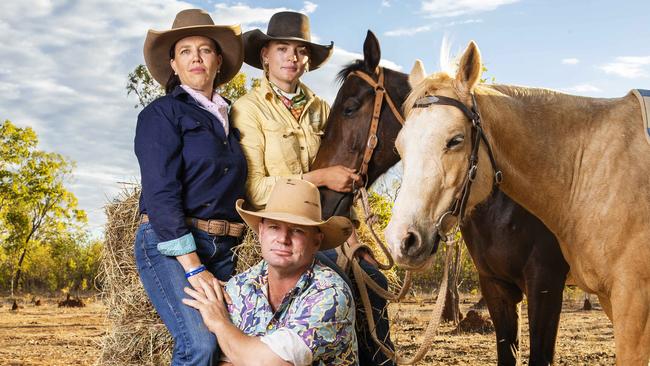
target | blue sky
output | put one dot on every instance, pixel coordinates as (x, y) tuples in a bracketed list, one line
[(64, 63)]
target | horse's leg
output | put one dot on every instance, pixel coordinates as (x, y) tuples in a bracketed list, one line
[(544, 307), (606, 305), (631, 317), (502, 299)]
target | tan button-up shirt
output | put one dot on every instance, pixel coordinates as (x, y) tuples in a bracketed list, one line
[(275, 143)]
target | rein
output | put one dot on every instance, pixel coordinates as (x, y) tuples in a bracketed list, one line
[(459, 205)]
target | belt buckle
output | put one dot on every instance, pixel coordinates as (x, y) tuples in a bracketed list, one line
[(214, 225)]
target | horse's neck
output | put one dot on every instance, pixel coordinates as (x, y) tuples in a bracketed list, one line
[(541, 140)]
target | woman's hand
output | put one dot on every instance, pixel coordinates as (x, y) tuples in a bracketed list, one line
[(191, 261), (210, 302), (337, 178), (205, 276)]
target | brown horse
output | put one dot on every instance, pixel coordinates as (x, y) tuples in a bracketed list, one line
[(579, 164), (512, 250)]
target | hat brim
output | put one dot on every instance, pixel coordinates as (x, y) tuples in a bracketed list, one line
[(158, 44), (255, 39), (336, 230)]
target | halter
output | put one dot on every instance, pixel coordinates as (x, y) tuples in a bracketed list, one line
[(380, 93), (458, 206)]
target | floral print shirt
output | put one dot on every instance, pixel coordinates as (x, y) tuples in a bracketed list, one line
[(319, 311)]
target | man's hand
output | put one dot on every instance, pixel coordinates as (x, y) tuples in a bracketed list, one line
[(210, 303)]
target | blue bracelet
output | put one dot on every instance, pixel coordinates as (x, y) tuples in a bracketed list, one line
[(195, 271)]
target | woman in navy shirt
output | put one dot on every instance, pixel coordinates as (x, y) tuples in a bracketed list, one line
[(193, 171)]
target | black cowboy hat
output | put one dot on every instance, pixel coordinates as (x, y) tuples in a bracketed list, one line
[(285, 26)]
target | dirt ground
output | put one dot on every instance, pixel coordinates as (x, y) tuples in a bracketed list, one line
[(49, 335)]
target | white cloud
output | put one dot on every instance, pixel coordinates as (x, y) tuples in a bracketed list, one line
[(583, 88), (452, 8), (252, 17), (308, 7), (570, 61), (385, 4), (629, 67), (468, 21), (407, 31)]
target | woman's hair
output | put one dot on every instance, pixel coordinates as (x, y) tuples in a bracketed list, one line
[(175, 81)]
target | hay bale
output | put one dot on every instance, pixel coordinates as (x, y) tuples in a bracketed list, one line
[(136, 335)]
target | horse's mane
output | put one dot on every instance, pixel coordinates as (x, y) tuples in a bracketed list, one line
[(429, 85), (356, 65)]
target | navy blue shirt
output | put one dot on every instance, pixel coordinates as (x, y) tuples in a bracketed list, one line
[(189, 167)]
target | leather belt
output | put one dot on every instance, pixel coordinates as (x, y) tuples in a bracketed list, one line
[(212, 227)]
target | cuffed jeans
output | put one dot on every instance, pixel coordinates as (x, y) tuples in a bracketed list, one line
[(163, 278), (369, 352)]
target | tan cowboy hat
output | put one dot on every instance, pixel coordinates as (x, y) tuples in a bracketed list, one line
[(285, 26), (297, 201), (193, 22)]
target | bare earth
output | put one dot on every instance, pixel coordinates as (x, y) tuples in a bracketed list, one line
[(49, 335)]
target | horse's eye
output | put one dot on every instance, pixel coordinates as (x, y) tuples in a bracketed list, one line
[(455, 141), (349, 109)]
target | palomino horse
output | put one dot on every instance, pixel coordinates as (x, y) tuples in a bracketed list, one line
[(512, 250), (579, 164)]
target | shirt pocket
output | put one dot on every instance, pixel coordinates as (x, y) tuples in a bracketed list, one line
[(198, 140), (282, 155), (314, 136)]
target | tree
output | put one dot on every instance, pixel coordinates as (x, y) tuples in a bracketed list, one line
[(147, 89), (36, 205)]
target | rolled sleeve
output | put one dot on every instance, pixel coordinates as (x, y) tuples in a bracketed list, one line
[(289, 346), (175, 247), (158, 147)]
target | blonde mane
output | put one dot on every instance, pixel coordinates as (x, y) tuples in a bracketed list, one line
[(429, 85)]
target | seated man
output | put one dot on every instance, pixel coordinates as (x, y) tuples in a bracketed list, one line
[(289, 308)]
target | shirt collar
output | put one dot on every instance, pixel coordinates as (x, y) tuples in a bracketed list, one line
[(289, 96), (261, 280), (266, 89)]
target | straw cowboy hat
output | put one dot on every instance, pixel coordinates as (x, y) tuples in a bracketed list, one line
[(285, 26), (297, 201), (193, 22)]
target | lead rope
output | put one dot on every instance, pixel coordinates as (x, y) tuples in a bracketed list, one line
[(364, 281), (434, 322)]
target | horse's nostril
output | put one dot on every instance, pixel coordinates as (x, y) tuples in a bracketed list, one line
[(411, 242)]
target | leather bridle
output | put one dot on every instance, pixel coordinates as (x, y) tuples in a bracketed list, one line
[(459, 204), (380, 95)]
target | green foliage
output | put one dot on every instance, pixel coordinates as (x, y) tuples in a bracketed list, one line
[(36, 209), (143, 86), (147, 89)]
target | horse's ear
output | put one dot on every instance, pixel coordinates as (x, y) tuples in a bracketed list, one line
[(371, 51), (417, 73), (469, 70)]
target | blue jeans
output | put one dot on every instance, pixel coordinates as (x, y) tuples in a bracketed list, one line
[(163, 278), (369, 352)]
